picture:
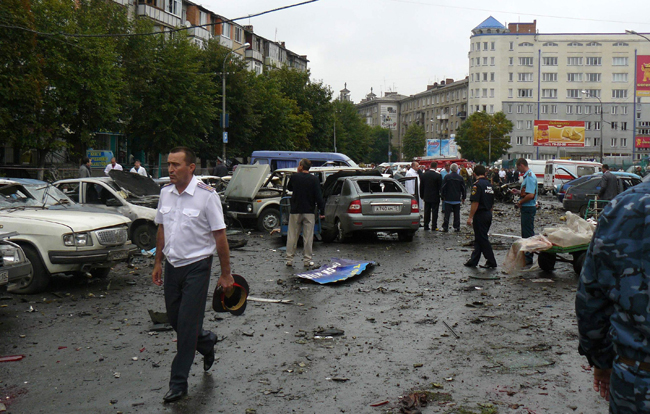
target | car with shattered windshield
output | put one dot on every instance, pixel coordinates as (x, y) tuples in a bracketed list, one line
[(66, 242), (367, 202), (14, 265), (132, 195)]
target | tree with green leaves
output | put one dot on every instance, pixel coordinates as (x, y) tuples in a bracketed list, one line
[(482, 131), (414, 142), (352, 131), (379, 144), (59, 90)]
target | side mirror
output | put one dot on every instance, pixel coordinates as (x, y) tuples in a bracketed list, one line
[(113, 202)]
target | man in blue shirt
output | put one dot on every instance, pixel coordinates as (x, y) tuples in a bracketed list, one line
[(527, 202)]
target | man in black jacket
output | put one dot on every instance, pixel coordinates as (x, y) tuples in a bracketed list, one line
[(220, 170), (608, 185), (453, 194), (430, 183), (304, 199)]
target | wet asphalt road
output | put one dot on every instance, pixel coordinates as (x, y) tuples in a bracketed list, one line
[(88, 347)]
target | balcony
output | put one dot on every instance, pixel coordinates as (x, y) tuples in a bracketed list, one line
[(159, 16), (254, 55), (443, 116), (462, 115), (269, 61), (224, 41), (199, 33)]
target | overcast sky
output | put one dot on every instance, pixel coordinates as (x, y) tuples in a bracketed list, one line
[(403, 45)]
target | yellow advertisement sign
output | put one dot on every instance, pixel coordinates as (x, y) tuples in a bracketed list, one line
[(559, 134)]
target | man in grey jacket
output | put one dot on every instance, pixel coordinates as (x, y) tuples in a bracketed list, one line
[(608, 185), (84, 168)]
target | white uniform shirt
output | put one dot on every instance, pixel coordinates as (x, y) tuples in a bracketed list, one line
[(142, 171), (410, 184), (188, 220), (110, 167), (502, 174)]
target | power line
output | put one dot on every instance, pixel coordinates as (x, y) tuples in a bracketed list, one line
[(178, 29), (517, 13)]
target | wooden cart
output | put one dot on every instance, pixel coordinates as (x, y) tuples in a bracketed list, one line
[(549, 257)]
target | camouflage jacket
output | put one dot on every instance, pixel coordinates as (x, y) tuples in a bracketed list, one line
[(613, 298)]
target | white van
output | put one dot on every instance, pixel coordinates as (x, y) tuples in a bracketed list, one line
[(537, 167), (558, 172)]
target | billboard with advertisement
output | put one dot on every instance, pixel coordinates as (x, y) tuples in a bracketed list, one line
[(388, 115), (643, 75), (559, 134), (99, 157), (642, 142), (445, 148)]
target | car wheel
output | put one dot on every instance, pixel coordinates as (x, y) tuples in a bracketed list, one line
[(405, 235), (578, 262), (39, 278), (583, 211), (268, 220), (144, 236), (546, 261), (100, 272), (340, 235)]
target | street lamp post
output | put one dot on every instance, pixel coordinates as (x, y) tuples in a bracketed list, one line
[(223, 97), (584, 92)]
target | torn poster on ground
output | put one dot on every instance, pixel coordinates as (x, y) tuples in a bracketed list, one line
[(336, 270)]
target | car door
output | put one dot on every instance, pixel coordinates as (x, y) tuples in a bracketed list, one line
[(331, 204)]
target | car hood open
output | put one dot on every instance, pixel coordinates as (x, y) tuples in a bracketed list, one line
[(247, 181), (136, 184)]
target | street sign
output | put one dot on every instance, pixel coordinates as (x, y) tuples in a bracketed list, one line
[(225, 137), (99, 157), (390, 153)]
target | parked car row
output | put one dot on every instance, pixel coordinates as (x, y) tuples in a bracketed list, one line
[(575, 194)]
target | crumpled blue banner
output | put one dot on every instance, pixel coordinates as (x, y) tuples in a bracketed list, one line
[(336, 270)]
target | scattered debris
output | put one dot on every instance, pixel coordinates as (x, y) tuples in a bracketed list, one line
[(329, 332), (542, 280), (11, 358), (265, 300), (451, 330), (337, 270), (380, 403)]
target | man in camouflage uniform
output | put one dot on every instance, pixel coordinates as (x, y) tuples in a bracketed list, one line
[(613, 303)]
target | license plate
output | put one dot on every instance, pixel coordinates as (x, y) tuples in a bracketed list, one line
[(386, 209), (4, 277), (119, 255)]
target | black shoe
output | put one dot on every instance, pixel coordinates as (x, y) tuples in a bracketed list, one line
[(174, 395), (208, 360), (488, 266), (457, 230), (469, 264), (427, 228)]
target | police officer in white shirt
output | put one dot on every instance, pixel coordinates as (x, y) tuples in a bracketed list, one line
[(139, 169), (190, 227), (112, 166)]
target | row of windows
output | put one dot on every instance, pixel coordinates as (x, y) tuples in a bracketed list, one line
[(492, 45), (571, 61), (570, 93), (570, 109), (552, 77), (478, 61), (431, 100)]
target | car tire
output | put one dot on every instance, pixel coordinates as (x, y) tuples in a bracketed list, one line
[(268, 220), (40, 277), (339, 234), (144, 236), (405, 235), (578, 262), (100, 272), (546, 261), (328, 235), (583, 211)]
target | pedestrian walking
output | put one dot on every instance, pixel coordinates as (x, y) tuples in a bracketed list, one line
[(452, 194), (527, 202), (480, 218), (612, 303), (305, 198), (608, 185), (190, 228), (430, 190), (84, 168), (139, 169), (220, 170), (112, 166)]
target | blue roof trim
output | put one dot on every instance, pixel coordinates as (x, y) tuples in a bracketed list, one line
[(490, 23)]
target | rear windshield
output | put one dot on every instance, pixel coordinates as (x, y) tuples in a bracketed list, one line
[(384, 186)]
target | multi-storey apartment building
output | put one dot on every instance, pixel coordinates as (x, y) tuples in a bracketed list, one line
[(559, 76)]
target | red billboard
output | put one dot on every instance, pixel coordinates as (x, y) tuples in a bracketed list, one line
[(643, 75), (642, 142)]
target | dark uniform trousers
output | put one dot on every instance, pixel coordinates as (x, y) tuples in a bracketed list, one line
[(186, 291), (481, 224), (448, 209), (431, 212), (528, 226)]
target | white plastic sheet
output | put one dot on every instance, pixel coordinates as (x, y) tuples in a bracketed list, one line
[(516, 259), (577, 231)]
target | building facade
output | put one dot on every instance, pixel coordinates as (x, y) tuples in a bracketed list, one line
[(558, 76)]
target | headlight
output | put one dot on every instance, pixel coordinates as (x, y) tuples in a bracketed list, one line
[(77, 239), (11, 255), (249, 207)]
